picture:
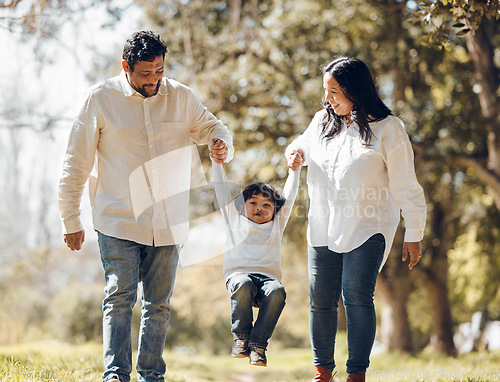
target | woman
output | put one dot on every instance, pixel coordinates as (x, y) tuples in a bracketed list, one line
[(360, 176)]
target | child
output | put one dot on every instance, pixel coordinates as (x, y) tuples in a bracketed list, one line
[(255, 222)]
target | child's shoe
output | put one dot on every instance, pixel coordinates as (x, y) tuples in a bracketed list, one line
[(240, 348), (258, 356)]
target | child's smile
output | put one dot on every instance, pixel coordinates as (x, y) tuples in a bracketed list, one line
[(259, 209)]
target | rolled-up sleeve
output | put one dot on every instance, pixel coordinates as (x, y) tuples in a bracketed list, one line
[(205, 126)]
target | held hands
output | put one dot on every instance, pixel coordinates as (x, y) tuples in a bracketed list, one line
[(74, 240), (414, 249), (218, 150), (296, 159)]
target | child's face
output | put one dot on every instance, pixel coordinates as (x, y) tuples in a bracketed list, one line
[(259, 209)]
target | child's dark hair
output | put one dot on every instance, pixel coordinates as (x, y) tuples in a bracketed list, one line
[(258, 189)]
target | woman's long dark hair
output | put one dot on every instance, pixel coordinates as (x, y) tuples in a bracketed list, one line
[(358, 86)]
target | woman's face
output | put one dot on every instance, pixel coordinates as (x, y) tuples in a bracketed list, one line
[(335, 97)]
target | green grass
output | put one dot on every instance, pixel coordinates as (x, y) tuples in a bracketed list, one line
[(50, 361), (54, 361)]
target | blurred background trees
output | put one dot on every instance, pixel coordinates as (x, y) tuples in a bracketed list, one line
[(257, 66)]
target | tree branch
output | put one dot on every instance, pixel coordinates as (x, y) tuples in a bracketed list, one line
[(477, 164), (12, 4), (486, 176)]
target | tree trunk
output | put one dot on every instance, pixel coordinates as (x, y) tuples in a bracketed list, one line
[(393, 288), (393, 283), (187, 32), (434, 277), (435, 283), (481, 51), (235, 16)]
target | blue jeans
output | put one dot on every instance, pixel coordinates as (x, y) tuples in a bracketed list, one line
[(353, 274), (126, 265), (266, 293)]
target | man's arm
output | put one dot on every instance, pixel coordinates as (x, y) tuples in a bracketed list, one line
[(74, 240), (206, 129), (77, 166), (218, 151)]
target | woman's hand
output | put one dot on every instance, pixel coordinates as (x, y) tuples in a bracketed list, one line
[(296, 159), (414, 250)]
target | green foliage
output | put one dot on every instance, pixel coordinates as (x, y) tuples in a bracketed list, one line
[(38, 303), (475, 260), (445, 20), (79, 316)]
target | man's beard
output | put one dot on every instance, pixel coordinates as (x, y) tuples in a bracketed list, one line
[(145, 88)]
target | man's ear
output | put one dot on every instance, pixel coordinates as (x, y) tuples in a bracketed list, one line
[(125, 66)]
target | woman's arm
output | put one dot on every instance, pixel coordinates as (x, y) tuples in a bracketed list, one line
[(406, 190), (303, 141)]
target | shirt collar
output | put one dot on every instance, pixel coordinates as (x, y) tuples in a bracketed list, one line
[(128, 90), (353, 129)]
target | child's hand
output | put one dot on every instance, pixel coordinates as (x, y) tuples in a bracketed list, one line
[(296, 159), (218, 150)]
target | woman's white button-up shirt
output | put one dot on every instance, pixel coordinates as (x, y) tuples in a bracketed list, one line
[(358, 190)]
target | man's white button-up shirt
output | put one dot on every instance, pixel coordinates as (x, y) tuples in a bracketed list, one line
[(142, 149)]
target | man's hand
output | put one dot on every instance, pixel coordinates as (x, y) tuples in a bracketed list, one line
[(296, 159), (218, 150), (414, 249), (74, 240)]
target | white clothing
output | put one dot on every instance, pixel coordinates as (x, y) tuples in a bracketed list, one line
[(358, 190), (143, 148), (252, 247)]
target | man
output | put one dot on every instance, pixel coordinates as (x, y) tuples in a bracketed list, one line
[(139, 127)]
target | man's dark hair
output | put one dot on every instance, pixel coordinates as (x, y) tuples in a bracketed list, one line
[(260, 189), (143, 46)]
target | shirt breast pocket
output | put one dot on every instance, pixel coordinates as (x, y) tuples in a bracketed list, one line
[(174, 135)]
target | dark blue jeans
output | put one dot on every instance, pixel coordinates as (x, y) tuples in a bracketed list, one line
[(353, 274), (266, 293), (126, 266)]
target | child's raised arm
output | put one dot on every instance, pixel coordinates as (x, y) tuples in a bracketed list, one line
[(223, 195), (291, 187)]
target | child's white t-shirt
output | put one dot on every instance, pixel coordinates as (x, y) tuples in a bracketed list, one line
[(252, 247)]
